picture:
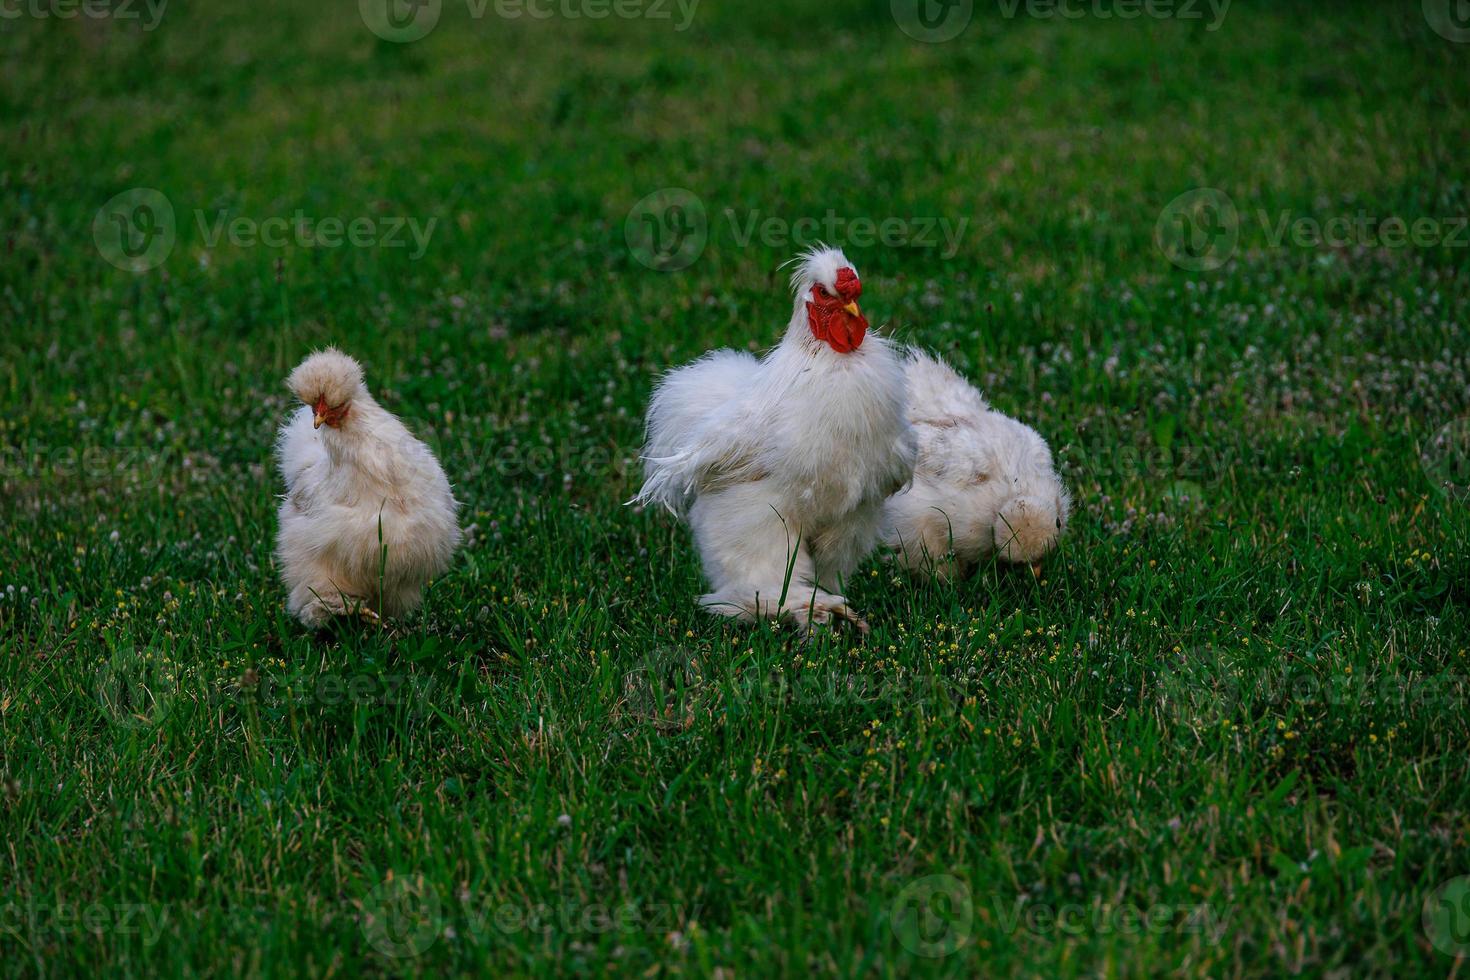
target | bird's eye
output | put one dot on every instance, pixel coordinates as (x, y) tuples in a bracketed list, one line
[(1059, 523)]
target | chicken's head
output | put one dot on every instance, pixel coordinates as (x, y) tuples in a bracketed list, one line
[(1027, 528), (829, 286), (327, 382)]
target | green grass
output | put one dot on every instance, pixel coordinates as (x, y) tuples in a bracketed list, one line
[(1239, 699)]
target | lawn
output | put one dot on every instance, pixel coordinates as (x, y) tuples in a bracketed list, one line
[(1218, 258)]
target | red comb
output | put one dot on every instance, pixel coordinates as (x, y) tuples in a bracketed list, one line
[(848, 286)]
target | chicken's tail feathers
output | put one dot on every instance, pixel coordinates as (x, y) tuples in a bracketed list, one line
[(669, 482)]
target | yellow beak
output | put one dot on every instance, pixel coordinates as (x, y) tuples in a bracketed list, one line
[(853, 309), (316, 423)]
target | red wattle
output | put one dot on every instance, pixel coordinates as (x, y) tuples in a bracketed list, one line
[(836, 327)]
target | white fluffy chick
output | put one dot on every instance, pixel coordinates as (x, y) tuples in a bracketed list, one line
[(781, 465), (984, 483), (368, 516)]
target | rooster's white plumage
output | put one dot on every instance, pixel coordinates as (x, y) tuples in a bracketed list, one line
[(984, 483), (784, 463), (368, 517)]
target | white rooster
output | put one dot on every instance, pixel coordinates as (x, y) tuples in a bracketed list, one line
[(984, 483), (782, 464), (368, 517)]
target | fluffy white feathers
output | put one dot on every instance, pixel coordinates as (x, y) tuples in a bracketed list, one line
[(784, 462), (368, 516), (984, 482)]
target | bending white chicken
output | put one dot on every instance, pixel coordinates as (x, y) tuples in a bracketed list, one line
[(782, 464), (984, 483), (368, 515)]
